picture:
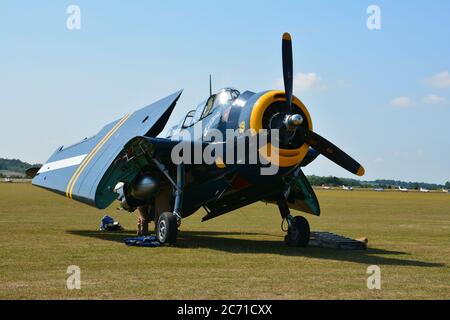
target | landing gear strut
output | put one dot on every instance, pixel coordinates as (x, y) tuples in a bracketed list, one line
[(168, 222), (298, 227)]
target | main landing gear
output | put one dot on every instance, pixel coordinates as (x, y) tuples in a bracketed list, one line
[(298, 227), (168, 222), (167, 228)]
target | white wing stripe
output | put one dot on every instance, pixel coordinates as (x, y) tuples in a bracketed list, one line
[(61, 164)]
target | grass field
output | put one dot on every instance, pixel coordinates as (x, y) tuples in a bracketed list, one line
[(238, 256)]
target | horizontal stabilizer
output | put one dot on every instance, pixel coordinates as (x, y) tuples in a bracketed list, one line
[(32, 172)]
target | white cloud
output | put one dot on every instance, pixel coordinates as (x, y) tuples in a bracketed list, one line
[(305, 82), (440, 80), (434, 99), (402, 102)]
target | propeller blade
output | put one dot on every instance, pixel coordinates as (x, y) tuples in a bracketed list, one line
[(287, 68), (320, 144), (329, 150)]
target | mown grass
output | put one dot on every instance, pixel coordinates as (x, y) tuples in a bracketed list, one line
[(237, 256)]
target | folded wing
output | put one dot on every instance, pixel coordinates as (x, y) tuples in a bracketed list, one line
[(77, 170)]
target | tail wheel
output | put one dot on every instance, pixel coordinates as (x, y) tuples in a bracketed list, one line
[(298, 233), (167, 228)]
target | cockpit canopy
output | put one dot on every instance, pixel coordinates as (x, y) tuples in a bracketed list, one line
[(225, 96)]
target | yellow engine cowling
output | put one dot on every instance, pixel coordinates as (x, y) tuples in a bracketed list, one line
[(279, 156)]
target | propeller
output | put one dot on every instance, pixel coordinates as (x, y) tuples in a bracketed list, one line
[(294, 122), (332, 152), (288, 69)]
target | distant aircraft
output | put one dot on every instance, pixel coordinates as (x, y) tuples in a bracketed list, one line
[(402, 189), (8, 180), (326, 187), (347, 188), (424, 190), (445, 190), (378, 189)]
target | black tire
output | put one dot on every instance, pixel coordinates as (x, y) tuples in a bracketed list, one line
[(167, 228), (299, 233)]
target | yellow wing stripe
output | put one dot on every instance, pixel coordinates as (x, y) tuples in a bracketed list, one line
[(94, 151), (86, 158)]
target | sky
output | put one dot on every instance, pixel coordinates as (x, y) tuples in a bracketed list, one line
[(381, 95)]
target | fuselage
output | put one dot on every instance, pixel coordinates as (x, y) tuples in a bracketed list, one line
[(232, 177)]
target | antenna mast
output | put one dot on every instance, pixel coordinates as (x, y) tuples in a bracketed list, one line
[(210, 85)]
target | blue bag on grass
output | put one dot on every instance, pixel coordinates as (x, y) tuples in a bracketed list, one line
[(108, 224), (147, 241)]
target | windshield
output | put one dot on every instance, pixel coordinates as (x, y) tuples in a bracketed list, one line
[(226, 95), (199, 112), (187, 121), (223, 97)]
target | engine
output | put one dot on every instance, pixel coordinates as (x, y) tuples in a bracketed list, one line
[(139, 192)]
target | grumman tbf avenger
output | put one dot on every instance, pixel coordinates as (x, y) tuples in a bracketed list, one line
[(127, 160)]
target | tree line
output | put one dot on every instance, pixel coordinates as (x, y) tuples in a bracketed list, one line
[(380, 183)]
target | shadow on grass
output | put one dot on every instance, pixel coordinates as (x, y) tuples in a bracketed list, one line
[(224, 241)]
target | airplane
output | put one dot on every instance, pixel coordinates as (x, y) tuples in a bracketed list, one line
[(8, 180), (378, 189), (131, 152), (349, 188), (424, 190), (324, 187), (402, 189), (445, 190)]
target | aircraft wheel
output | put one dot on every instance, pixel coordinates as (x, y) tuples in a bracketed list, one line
[(298, 234), (167, 228)]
